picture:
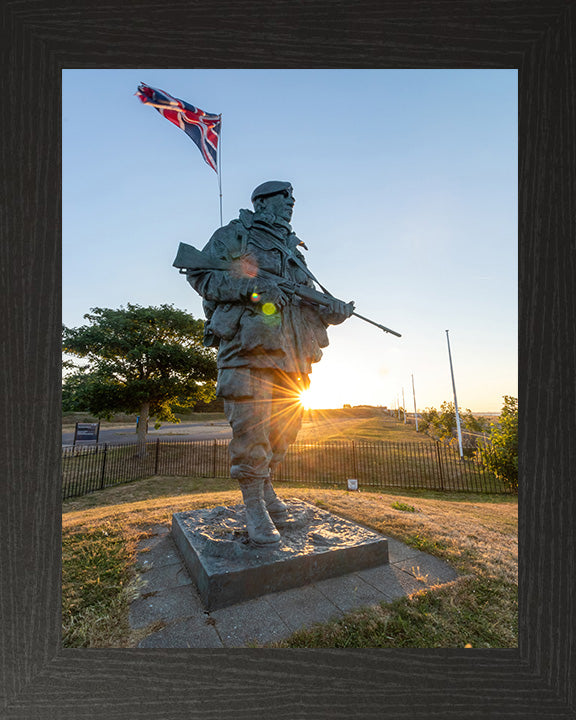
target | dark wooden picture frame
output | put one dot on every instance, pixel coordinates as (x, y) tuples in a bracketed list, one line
[(39, 679)]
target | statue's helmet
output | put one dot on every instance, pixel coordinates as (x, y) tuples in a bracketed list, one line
[(272, 187)]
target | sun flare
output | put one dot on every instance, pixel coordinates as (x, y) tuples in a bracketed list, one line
[(306, 399), (312, 399)]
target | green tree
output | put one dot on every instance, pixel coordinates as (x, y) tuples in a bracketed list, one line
[(442, 424), (428, 419), (138, 360), (71, 387), (501, 455)]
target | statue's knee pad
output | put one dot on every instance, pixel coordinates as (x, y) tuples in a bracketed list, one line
[(241, 472), (248, 472)]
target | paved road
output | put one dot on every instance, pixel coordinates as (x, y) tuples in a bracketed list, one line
[(124, 434)]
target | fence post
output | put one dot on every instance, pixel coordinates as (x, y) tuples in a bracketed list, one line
[(103, 466), (214, 447), (156, 458), (440, 465), (354, 463)]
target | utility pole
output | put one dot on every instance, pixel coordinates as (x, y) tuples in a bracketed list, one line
[(455, 401), (404, 406), (415, 411)]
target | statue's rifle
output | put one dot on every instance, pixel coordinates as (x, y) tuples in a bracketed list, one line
[(190, 258)]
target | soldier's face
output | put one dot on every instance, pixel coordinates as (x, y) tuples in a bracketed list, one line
[(281, 205)]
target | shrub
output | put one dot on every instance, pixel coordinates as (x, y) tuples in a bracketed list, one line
[(501, 456), (403, 506), (441, 424)]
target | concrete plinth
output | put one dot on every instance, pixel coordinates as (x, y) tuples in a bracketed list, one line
[(227, 569)]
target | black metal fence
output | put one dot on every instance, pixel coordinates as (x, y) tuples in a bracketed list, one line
[(418, 466)]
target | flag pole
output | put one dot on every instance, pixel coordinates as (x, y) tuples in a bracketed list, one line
[(220, 168), (455, 401), (415, 411)]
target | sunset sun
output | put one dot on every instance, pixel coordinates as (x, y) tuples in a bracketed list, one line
[(306, 399), (315, 399)]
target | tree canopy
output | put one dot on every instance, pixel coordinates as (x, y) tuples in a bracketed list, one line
[(138, 360), (442, 424)]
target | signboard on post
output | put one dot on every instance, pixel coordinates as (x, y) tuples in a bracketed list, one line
[(86, 432)]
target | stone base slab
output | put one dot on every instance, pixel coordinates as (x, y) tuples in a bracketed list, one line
[(227, 568)]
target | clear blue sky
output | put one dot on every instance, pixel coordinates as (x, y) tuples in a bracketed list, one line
[(406, 196)]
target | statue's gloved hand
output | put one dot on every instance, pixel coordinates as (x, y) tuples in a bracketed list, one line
[(337, 312), (266, 291)]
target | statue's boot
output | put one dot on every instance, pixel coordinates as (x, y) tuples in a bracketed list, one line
[(277, 509), (261, 529)]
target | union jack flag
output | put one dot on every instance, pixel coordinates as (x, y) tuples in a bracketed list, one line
[(202, 127)]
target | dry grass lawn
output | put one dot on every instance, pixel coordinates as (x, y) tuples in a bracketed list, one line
[(476, 534)]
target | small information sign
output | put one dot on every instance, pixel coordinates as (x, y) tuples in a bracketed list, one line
[(86, 432), (352, 484)]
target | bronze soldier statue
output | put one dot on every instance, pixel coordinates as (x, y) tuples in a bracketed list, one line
[(267, 337)]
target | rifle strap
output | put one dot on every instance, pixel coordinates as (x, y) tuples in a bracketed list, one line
[(297, 261), (247, 220)]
